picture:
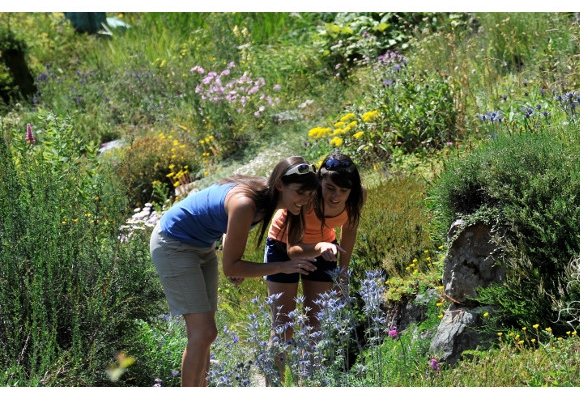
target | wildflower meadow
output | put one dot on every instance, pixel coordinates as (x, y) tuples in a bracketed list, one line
[(470, 116)]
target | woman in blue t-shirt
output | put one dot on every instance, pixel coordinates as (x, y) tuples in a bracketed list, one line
[(183, 248)]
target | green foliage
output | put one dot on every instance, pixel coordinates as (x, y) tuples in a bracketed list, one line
[(157, 346), (529, 183), (392, 231), (401, 109), (149, 160), (349, 37), (68, 284), (529, 357)]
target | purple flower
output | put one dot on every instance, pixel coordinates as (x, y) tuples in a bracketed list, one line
[(393, 332), (435, 364), (277, 87), (29, 135), (197, 69), (388, 82)]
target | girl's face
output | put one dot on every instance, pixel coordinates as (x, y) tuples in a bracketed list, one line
[(334, 197), (293, 197)]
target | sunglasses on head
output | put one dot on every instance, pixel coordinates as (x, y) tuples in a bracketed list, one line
[(333, 164), (301, 169)]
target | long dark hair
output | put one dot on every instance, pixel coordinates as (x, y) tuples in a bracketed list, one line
[(265, 195), (342, 171)]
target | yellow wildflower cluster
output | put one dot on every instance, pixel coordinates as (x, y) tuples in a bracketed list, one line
[(319, 132), (369, 116), (180, 177)]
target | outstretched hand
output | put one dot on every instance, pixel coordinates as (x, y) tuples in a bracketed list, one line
[(302, 265), (329, 251)]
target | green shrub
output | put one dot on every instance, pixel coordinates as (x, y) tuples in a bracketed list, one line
[(150, 159), (394, 229), (69, 288), (525, 187), (402, 109)]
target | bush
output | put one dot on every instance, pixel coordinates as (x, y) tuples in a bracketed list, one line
[(152, 160), (525, 187), (69, 288), (393, 229), (411, 111)]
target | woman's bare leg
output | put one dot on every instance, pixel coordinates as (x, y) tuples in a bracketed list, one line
[(201, 333)]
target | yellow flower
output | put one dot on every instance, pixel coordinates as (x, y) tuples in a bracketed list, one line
[(358, 134), (535, 326), (533, 340), (336, 141), (548, 329), (574, 333), (205, 172), (339, 124), (347, 117), (499, 334), (440, 316), (318, 132), (485, 315), (369, 116), (439, 304), (559, 338), (351, 125), (521, 342), (524, 328)]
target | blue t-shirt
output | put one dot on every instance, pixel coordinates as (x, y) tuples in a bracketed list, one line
[(200, 218)]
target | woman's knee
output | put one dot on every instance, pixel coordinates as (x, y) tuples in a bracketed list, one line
[(203, 335)]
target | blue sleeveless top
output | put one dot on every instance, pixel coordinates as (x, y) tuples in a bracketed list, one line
[(199, 219)]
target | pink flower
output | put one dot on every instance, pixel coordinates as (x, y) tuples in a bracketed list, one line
[(393, 332), (29, 135), (435, 364)]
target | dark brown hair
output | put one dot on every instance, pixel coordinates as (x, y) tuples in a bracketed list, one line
[(265, 195), (342, 171)]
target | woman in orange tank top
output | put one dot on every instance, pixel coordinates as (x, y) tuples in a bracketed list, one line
[(337, 204)]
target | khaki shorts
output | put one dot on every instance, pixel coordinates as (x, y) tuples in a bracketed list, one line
[(189, 274)]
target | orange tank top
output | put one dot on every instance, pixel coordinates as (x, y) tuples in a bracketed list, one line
[(314, 232)]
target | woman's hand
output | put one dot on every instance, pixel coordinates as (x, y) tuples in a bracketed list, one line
[(302, 265), (235, 281), (329, 251)]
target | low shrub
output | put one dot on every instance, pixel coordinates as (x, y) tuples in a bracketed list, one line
[(525, 187)]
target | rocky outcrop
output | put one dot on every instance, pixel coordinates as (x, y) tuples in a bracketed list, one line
[(469, 264)]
